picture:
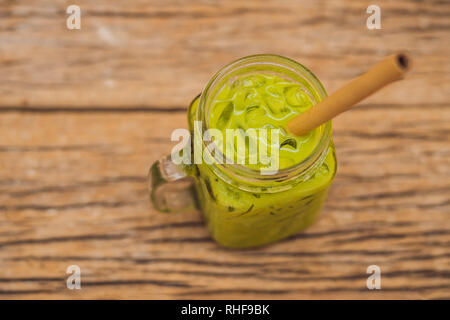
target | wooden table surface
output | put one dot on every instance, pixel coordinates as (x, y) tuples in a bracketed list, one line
[(83, 113)]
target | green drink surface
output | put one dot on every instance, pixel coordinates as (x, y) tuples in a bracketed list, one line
[(264, 101)]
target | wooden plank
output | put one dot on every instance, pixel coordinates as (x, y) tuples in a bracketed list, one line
[(73, 185), (143, 54), (73, 191)]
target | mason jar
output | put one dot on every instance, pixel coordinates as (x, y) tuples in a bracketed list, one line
[(242, 207)]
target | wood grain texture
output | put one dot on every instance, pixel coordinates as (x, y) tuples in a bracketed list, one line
[(160, 53), (84, 113)]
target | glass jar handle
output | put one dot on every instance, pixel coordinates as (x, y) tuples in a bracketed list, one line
[(171, 188)]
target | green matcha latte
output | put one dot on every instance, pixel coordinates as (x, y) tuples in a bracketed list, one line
[(241, 207), (264, 101)]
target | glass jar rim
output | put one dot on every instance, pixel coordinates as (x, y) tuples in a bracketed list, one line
[(251, 178)]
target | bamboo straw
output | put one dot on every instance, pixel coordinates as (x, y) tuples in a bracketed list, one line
[(389, 70)]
